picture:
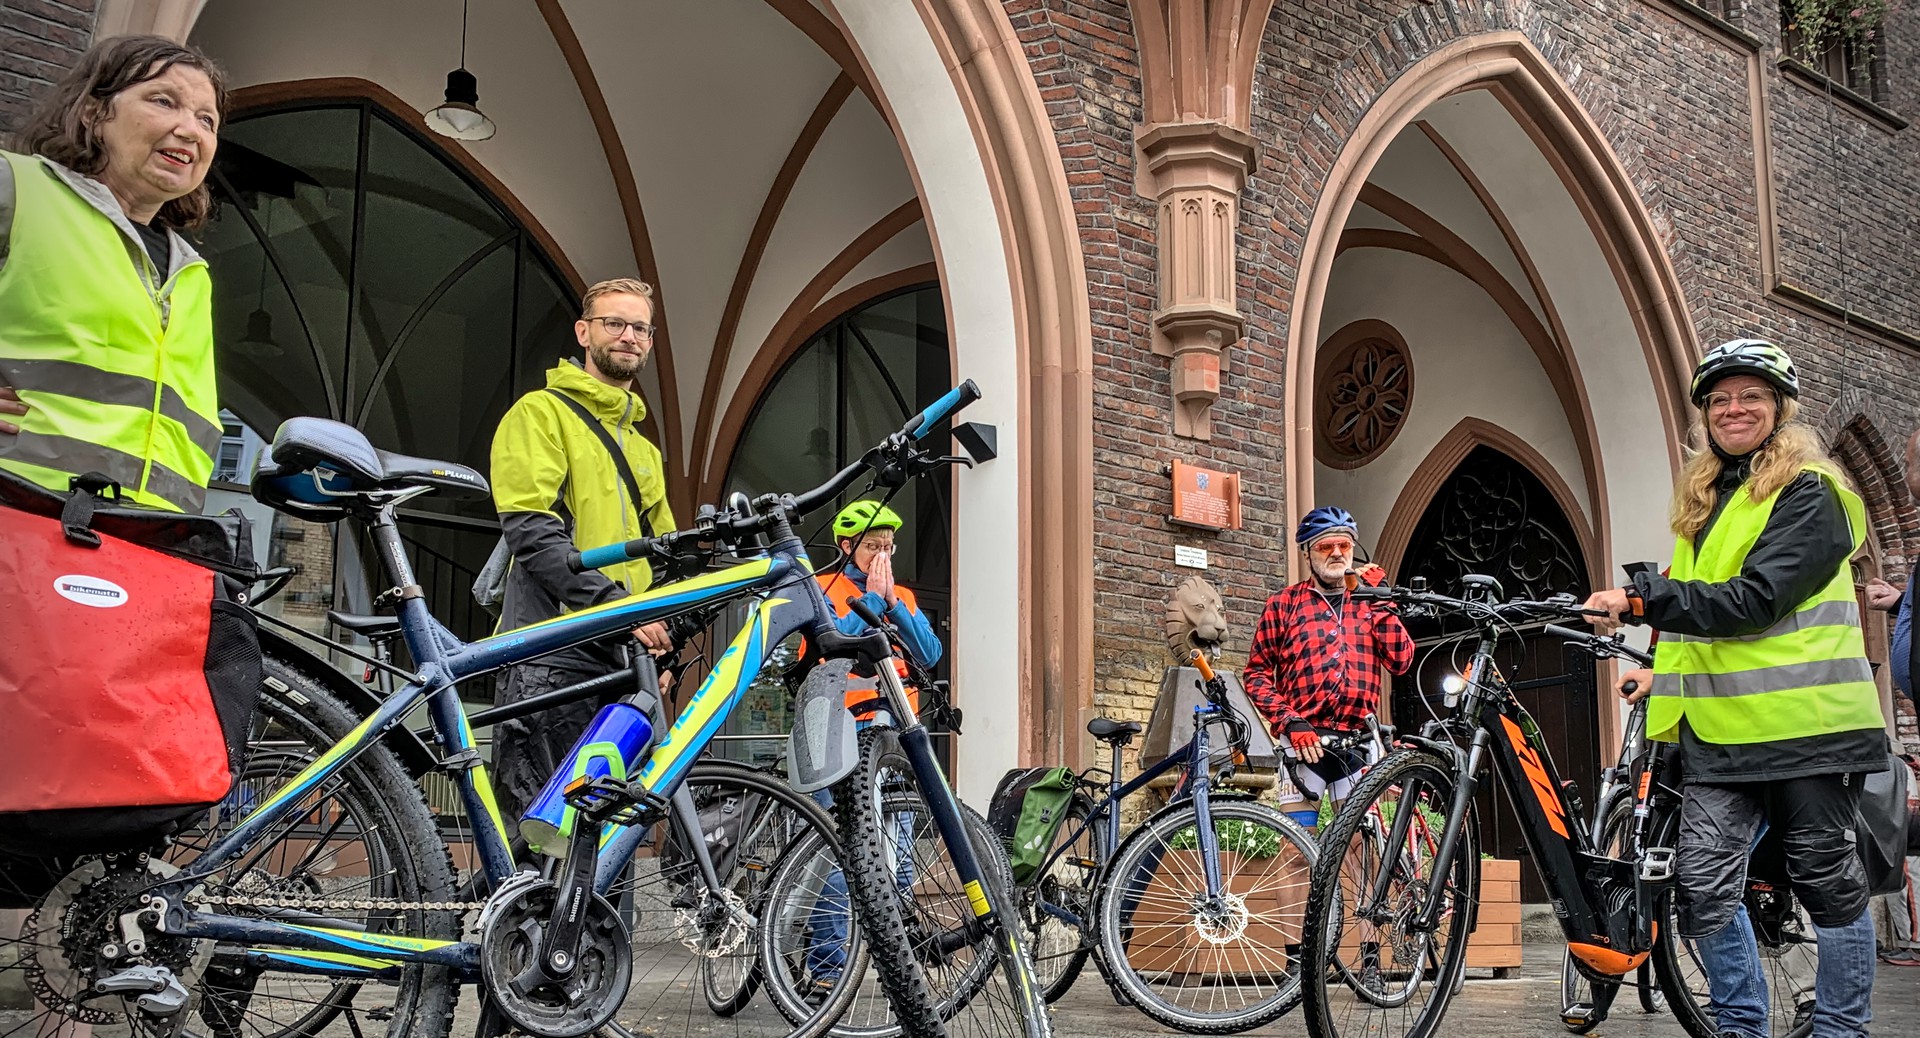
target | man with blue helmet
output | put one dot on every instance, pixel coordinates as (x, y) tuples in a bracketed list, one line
[(1317, 656)]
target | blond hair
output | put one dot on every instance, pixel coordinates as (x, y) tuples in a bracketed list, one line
[(614, 286), (1793, 448)]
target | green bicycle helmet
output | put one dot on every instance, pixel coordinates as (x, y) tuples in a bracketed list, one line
[(861, 516)]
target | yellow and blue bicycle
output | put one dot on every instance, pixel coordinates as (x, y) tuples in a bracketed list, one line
[(323, 874)]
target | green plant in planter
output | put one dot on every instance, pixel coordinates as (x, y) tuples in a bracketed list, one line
[(1824, 23), (1233, 835)]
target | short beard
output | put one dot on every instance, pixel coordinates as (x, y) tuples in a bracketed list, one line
[(1339, 582), (612, 365)]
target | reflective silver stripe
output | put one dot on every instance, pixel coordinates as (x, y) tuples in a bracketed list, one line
[(65, 454), (84, 382), (1783, 678), (1844, 613)]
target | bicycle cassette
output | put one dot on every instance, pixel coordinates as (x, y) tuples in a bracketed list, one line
[(514, 928)]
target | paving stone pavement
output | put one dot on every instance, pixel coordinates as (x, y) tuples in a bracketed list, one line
[(1526, 1004)]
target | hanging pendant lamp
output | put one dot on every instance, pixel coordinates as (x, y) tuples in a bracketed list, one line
[(459, 116)]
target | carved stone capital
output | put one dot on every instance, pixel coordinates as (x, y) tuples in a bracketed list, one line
[(1195, 172)]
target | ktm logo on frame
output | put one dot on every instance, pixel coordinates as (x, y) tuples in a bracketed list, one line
[(1543, 790)]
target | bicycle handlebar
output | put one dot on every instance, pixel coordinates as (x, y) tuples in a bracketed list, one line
[(724, 527), (1601, 645), (1563, 604)]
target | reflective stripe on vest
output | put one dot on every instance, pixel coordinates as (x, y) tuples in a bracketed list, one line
[(117, 371), (1805, 675)]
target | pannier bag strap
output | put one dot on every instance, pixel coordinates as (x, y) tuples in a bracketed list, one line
[(76, 517)]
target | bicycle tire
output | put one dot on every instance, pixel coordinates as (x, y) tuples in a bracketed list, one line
[(298, 718), (1406, 779), (1152, 930), (681, 939), (1072, 885), (993, 993)]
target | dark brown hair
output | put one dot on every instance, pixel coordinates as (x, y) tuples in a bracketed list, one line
[(64, 125)]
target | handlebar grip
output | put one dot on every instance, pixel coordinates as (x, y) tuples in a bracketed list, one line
[(1200, 663), (958, 397), (865, 612), (1569, 633), (608, 554)]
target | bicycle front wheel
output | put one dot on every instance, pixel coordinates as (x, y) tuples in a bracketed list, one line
[(1389, 975), (696, 950), (945, 969), (1208, 964)]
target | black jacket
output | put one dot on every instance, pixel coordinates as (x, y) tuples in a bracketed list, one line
[(1805, 540)]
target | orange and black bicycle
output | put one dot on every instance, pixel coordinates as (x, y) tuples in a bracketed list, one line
[(1390, 941)]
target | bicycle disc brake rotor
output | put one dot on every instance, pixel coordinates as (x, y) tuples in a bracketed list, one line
[(716, 927), (513, 927), (1226, 923), (61, 944)]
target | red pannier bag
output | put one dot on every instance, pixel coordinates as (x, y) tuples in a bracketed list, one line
[(128, 673)]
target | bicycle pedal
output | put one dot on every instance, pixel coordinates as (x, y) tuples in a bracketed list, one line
[(1579, 1013), (605, 799), (1656, 864)]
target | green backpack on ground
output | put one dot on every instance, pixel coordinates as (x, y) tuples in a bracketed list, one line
[(1027, 810)]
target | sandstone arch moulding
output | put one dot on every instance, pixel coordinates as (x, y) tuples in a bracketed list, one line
[(1521, 77), (954, 83)]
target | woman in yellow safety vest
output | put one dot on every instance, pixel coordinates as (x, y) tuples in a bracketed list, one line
[(1761, 676), (106, 315)]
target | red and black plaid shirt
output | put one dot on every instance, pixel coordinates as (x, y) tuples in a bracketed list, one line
[(1319, 661)]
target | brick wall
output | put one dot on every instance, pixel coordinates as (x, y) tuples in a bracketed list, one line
[(1673, 105), (39, 41)]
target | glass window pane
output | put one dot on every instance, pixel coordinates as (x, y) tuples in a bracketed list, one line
[(423, 221), (446, 388), (547, 312)]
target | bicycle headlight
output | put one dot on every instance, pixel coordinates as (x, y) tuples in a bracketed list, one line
[(1450, 687)]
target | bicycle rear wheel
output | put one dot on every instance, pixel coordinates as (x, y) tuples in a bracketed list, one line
[(353, 848), (1205, 966), (1386, 977), (1789, 958), (945, 970), (1070, 886)]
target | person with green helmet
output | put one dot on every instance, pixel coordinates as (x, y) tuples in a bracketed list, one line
[(865, 531), (1761, 677)]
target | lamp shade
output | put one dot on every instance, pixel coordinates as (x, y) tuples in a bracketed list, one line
[(459, 116)]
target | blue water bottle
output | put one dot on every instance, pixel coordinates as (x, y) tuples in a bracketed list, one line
[(614, 744)]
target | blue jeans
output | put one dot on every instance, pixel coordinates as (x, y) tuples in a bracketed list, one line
[(829, 924)]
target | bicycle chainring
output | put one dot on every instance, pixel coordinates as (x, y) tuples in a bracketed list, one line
[(512, 931)]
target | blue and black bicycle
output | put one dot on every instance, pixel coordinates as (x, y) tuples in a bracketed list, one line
[(333, 878)]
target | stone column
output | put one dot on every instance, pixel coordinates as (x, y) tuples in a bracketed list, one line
[(1195, 171)]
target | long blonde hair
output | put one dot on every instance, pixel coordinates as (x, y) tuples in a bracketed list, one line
[(1792, 448)]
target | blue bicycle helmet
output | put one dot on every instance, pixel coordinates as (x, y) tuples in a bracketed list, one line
[(1324, 520)]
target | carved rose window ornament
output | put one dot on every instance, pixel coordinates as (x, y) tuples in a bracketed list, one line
[(1363, 390)]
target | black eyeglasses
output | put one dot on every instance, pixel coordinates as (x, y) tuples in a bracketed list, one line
[(617, 326)]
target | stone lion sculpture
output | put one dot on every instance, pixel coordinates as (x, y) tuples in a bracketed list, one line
[(1196, 619)]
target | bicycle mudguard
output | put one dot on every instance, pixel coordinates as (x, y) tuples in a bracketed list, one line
[(822, 748)]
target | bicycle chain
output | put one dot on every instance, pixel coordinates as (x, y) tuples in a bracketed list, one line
[(368, 904)]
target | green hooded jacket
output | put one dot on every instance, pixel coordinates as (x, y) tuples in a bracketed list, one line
[(558, 491)]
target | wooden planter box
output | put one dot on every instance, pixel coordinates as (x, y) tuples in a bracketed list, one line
[(1496, 939), (1165, 938)]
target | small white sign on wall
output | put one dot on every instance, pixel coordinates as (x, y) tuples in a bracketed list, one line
[(1192, 558)]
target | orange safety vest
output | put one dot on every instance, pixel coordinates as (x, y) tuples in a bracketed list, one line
[(860, 690)]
